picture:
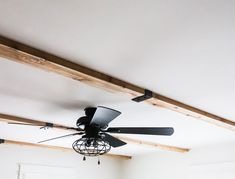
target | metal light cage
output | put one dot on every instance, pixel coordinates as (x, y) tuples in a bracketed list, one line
[(91, 146)]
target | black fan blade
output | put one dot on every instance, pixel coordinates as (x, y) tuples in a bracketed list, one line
[(78, 133), (114, 142), (23, 124), (47, 125), (142, 130), (103, 116)]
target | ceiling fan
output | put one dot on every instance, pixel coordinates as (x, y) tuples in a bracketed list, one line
[(95, 138)]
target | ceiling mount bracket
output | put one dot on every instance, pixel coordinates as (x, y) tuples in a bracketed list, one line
[(2, 141), (147, 95)]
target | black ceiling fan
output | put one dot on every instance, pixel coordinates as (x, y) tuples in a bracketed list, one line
[(95, 138)]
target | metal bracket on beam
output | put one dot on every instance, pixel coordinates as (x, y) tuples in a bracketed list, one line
[(147, 95), (2, 141), (47, 126)]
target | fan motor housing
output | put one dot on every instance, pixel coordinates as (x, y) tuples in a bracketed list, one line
[(92, 131)]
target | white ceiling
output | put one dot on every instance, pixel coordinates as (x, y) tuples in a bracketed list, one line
[(181, 49)]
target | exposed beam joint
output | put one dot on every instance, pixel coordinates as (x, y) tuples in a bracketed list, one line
[(21, 53)]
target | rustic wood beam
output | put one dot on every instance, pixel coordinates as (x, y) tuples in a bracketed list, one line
[(152, 144), (29, 144), (25, 54), (15, 119)]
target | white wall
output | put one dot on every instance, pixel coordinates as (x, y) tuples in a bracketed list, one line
[(214, 162), (11, 156), (161, 165)]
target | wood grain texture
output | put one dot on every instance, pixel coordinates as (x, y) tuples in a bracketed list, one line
[(29, 144), (21, 53), (16, 119), (11, 118), (152, 144)]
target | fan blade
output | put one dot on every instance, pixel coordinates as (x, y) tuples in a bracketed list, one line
[(78, 133), (23, 124), (103, 116), (114, 142), (50, 125), (142, 130)]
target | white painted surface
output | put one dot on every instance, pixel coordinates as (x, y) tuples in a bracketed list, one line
[(212, 162), (181, 49), (162, 165), (31, 163), (32, 171), (36, 94)]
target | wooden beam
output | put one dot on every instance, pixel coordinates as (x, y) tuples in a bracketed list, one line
[(16, 119), (152, 144), (29, 144), (10, 118), (21, 53)]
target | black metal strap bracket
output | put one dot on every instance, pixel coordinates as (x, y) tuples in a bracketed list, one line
[(147, 95), (2, 141), (47, 126)]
